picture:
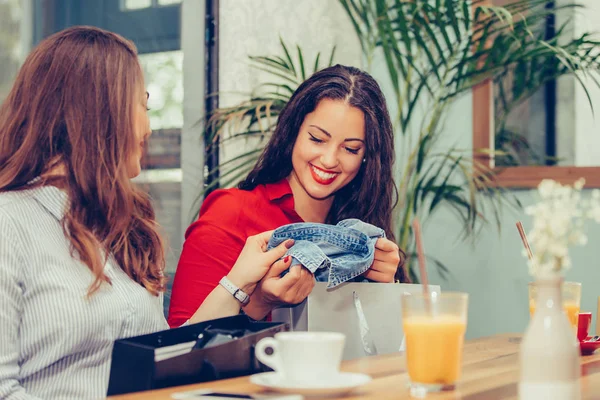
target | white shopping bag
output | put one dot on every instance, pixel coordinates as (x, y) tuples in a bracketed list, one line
[(369, 314)]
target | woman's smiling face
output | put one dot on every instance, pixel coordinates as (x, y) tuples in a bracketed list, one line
[(329, 149)]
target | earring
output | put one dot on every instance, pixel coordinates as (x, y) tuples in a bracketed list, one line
[(364, 160)]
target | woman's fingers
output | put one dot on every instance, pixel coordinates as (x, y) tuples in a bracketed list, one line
[(378, 276), (304, 285), (384, 266), (264, 237), (276, 253), (307, 285), (295, 285), (392, 258), (386, 245), (279, 266)]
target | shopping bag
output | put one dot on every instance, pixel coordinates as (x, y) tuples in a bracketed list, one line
[(369, 314)]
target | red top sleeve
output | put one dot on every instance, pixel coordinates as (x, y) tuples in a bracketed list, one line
[(212, 245)]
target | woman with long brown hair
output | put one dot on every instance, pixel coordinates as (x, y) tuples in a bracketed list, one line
[(81, 258)]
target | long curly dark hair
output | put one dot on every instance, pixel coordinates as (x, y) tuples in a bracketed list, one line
[(372, 194)]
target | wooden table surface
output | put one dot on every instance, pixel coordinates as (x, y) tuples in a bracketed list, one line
[(490, 371)]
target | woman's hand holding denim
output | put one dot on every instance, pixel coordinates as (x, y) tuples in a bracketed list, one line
[(274, 291), (385, 264), (254, 262), (337, 253)]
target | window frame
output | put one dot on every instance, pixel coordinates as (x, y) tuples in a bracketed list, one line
[(520, 176)]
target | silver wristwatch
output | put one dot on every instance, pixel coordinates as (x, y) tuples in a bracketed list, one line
[(235, 291)]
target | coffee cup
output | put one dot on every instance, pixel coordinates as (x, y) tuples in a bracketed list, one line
[(303, 357)]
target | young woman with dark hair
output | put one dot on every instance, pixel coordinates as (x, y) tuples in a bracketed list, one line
[(81, 258), (330, 158)]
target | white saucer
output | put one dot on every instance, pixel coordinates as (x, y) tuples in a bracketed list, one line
[(343, 383)]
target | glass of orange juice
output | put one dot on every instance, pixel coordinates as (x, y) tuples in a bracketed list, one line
[(434, 327), (571, 298)]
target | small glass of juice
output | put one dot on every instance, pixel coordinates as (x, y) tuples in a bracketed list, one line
[(434, 327)]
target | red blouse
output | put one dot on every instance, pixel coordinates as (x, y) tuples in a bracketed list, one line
[(213, 243)]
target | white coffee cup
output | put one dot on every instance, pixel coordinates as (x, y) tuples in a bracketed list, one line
[(303, 357)]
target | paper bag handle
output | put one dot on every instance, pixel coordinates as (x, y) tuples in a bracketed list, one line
[(365, 333), (270, 360)]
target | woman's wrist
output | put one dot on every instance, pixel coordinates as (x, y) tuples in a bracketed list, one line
[(257, 309), (246, 287)]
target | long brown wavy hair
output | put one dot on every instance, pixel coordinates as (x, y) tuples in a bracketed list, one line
[(72, 108)]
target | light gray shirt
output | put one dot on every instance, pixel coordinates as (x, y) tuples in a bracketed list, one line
[(56, 343)]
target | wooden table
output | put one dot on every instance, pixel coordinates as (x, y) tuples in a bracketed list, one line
[(490, 371)]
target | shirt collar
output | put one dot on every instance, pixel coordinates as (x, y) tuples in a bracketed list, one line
[(281, 194), (278, 190), (52, 199)]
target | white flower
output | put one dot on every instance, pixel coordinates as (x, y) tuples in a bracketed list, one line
[(558, 222), (546, 188)]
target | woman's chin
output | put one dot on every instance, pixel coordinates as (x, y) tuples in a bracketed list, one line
[(321, 194), (134, 171)]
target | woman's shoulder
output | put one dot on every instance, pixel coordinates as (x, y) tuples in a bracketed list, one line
[(17, 207), (8, 205), (231, 200), (17, 227), (14, 198), (31, 204), (228, 208)]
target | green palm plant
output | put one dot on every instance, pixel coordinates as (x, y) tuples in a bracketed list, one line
[(434, 51)]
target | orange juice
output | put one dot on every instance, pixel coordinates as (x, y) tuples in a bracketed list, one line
[(571, 309), (434, 348)]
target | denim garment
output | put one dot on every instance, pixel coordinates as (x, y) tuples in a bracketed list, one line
[(334, 253)]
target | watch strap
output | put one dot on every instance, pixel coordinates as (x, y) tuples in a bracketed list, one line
[(235, 291)]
